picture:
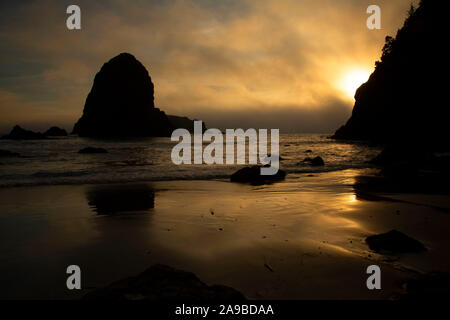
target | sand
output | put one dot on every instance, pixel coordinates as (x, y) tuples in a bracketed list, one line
[(298, 239)]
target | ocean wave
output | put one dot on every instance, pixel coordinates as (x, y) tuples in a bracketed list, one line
[(78, 178), (58, 163)]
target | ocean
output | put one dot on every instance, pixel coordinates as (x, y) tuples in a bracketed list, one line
[(57, 161)]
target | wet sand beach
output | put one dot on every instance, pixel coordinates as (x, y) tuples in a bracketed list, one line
[(303, 238)]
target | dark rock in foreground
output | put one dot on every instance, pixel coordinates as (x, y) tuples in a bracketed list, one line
[(394, 242), (317, 161), (403, 179), (433, 286), (55, 132), (121, 103), (7, 153), (18, 133), (184, 122), (416, 167), (92, 150), (161, 282), (253, 175)]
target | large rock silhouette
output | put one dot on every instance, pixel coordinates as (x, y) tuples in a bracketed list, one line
[(121, 103), (405, 97)]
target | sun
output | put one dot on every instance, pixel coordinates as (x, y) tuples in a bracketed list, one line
[(353, 80)]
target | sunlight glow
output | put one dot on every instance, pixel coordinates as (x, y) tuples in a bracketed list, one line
[(353, 80)]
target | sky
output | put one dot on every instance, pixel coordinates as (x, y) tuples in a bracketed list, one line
[(287, 64)]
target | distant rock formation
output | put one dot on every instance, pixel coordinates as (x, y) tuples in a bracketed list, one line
[(405, 98), (183, 122), (161, 282), (55, 132), (121, 103), (18, 133)]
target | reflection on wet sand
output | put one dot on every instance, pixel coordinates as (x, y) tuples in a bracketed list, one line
[(108, 200), (310, 230)]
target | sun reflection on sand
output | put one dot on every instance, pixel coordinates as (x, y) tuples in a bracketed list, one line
[(352, 198), (252, 217)]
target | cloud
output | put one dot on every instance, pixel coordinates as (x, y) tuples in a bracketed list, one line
[(217, 60), (30, 114)]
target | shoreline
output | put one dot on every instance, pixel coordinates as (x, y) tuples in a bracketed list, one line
[(290, 175)]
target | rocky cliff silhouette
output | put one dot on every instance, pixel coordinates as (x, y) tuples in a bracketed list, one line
[(404, 98), (121, 103)]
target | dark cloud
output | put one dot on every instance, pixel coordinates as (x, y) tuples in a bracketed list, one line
[(288, 119)]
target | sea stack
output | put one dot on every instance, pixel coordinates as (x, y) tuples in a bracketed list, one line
[(121, 103)]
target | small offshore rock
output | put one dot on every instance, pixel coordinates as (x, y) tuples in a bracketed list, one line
[(55, 132), (317, 161)]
